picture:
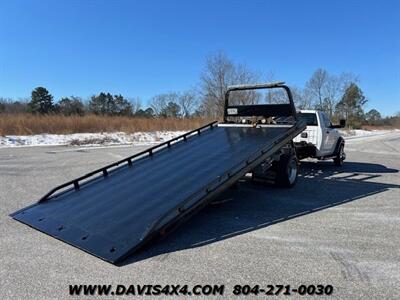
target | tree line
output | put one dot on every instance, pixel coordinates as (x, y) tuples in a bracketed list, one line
[(338, 95), (163, 105)]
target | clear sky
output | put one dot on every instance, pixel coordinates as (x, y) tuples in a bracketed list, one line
[(141, 48)]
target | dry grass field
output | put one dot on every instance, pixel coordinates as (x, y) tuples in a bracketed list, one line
[(381, 127), (26, 124)]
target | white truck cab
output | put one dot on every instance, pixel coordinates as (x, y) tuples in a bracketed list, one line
[(320, 139)]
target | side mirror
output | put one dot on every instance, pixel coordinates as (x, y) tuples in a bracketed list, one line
[(342, 124)]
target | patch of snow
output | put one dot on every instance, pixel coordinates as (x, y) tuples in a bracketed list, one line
[(155, 137), (356, 133), (89, 139), (121, 138)]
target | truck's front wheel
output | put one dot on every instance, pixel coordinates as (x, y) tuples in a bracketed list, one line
[(287, 171), (340, 157)]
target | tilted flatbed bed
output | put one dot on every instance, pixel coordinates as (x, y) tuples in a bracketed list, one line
[(113, 211)]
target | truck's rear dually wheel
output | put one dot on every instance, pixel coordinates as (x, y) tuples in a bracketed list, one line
[(287, 171)]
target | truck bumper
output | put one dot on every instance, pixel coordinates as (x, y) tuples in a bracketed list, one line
[(304, 150)]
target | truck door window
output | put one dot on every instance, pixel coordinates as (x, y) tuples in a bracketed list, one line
[(309, 118), (326, 120)]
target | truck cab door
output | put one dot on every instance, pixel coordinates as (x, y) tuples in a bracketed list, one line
[(329, 135)]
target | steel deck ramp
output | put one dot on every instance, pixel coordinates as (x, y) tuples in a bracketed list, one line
[(113, 211)]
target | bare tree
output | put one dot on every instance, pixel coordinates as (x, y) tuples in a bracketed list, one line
[(346, 79), (8, 105), (315, 87), (332, 89), (324, 90), (275, 96), (271, 94), (136, 104), (300, 98), (301, 101), (70, 106), (245, 75), (159, 103), (188, 102), (219, 73)]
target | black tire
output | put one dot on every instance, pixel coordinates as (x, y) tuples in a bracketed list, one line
[(340, 156), (287, 171)]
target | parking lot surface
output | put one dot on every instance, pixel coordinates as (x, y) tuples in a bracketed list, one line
[(338, 226)]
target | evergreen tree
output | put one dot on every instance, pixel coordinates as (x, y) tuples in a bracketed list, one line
[(171, 110), (41, 101), (98, 104), (107, 104), (148, 113), (351, 105), (122, 106), (373, 116)]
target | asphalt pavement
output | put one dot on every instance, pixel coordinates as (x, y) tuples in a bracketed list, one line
[(337, 226)]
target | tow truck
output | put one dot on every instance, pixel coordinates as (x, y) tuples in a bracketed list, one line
[(113, 211)]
